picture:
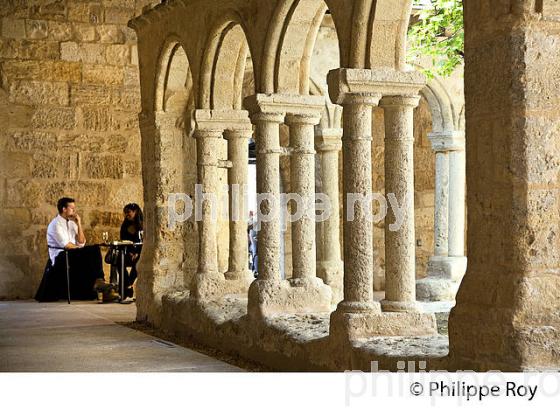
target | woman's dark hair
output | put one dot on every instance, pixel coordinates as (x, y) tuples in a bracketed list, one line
[(138, 218)]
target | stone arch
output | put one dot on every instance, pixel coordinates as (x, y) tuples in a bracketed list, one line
[(370, 34), (289, 44), (165, 127), (444, 114), (386, 34), (227, 51), (172, 51), (175, 159)]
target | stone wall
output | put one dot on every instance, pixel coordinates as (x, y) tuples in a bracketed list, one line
[(69, 100), (506, 315)]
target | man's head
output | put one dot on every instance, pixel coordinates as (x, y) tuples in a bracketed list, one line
[(66, 207)]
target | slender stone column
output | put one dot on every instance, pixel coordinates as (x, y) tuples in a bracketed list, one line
[(329, 266), (437, 266), (448, 265), (457, 177), (207, 141), (441, 206), (268, 186), (358, 241), (400, 280), (238, 155), (302, 163)]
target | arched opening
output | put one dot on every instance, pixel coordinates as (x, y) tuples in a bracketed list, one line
[(305, 47), (175, 155), (227, 78)]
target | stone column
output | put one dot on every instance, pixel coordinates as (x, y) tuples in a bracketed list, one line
[(445, 271), (268, 186), (238, 155), (302, 167), (441, 203), (148, 305), (207, 148), (329, 266), (457, 178), (357, 181), (400, 263)]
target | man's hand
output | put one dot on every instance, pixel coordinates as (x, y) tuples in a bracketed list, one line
[(80, 237)]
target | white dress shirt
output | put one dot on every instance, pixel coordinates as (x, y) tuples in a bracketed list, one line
[(59, 233)]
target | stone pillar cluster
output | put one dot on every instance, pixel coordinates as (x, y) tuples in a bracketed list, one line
[(357, 315), (319, 279), (448, 264), (211, 127), (304, 292)]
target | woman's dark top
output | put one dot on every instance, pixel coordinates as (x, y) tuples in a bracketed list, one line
[(129, 232)]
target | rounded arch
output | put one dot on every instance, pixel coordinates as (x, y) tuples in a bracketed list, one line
[(289, 44), (444, 114), (173, 77), (227, 51)]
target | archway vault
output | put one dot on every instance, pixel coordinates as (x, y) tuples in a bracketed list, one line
[(227, 56), (280, 36), (371, 33)]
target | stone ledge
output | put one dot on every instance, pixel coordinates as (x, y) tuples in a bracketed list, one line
[(354, 326), (385, 353), (296, 342)]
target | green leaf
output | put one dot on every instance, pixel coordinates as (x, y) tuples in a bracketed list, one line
[(439, 34)]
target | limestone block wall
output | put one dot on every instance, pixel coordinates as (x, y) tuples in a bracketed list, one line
[(506, 315), (69, 99)]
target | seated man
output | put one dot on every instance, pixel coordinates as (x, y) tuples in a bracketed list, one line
[(65, 232)]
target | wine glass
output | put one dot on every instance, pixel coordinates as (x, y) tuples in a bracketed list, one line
[(141, 236)]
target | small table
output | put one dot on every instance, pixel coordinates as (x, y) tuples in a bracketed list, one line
[(121, 247)]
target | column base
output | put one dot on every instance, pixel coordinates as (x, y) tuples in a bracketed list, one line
[(348, 325), (432, 289), (447, 267), (399, 306), (444, 277), (332, 273), (272, 297), (238, 282), (208, 286)]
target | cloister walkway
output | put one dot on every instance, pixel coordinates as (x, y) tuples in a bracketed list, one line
[(87, 337)]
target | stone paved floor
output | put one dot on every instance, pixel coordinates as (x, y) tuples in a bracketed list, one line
[(87, 337)]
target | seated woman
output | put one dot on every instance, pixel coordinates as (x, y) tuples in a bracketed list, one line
[(131, 230)]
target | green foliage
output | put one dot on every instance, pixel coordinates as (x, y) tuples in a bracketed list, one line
[(438, 33)]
